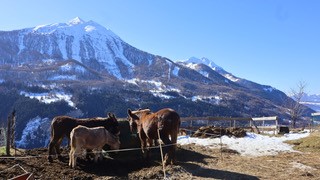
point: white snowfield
(251, 145)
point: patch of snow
(89, 28)
(48, 61)
(69, 67)
(313, 105)
(160, 94)
(63, 77)
(175, 71)
(31, 131)
(211, 99)
(251, 145)
(204, 61)
(132, 81)
(268, 89)
(204, 73)
(50, 97)
(66, 67)
(301, 166)
(192, 66)
(157, 88)
(156, 84)
(169, 71)
(75, 21)
(231, 77)
(21, 43)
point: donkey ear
(129, 112)
(109, 114)
(113, 116)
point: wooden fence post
(8, 136)
(10, 131)
(13, 127)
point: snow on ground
(251, 145)
(50, 97)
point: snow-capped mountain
(86, 42)
(312, 101)
(209, 69)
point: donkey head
(133, 121)
(112, 124)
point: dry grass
(12, 151)
(307, 144)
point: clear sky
(274, 42)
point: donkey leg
(57, 147)
(174, 137)
(149, 144)
(89, 154)
(71, 157)
(143, 139)
(167, 149)
(76, 153)
(96, 155)
(51, 150)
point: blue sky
(274, 42)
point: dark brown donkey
(61, 126)
(147, 124)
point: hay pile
(214, 132)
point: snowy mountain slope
(194, 63)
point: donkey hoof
(50, 159)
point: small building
(315, 118)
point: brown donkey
(62, 126)
(147, 124)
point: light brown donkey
(90, 138)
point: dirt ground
(193, 162)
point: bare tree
(295, 107)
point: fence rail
(256, 123)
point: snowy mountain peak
(84, 41)
(74, 26)
(204, 61)
(76, 21)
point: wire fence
(109, 151)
